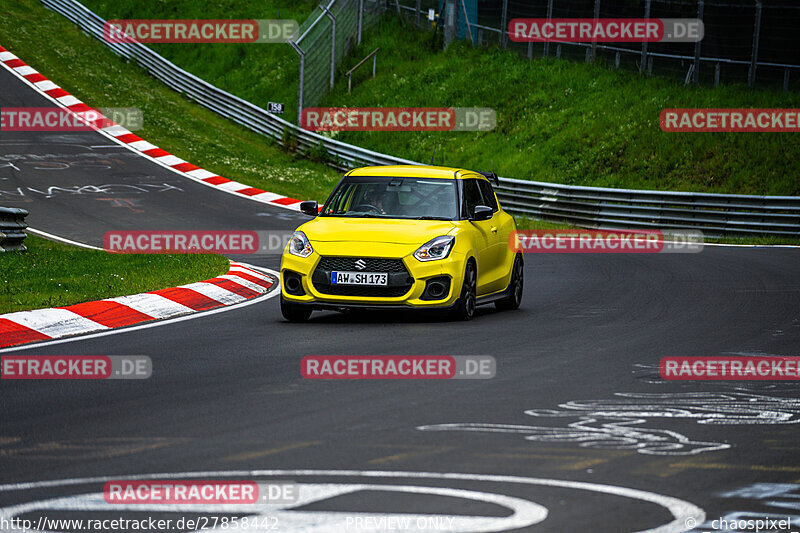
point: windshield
(412, 198)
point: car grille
(399, 282)
(374, 264)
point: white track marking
(45, 85)
(153, 305)
(155, 323)
(244, 283)
(267, 196)
(200, 173)
(170, 160)
(215, 292)
(24, 70)
(233, 186)
(61, 239)
(142, 146)
(54, 322)
(681, 510)
(116, 131)
(68, 100)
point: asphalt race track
(576, 432)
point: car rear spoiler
(491, 176)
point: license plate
(359, 278)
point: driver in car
(374, 198)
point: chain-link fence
(325, 38)
(746, 41)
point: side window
(488, 194)
(472, 196)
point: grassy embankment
(52, 274)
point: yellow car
(408, 236)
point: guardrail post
(301, 81)
(717, 68)
(751, 75)
(549, 16)
(596, 16)
(333, 40)
(504, 25)
(417, 14)
(12, 229)
(360, 19)
(696, 71)
(786, 80)
(643, 61)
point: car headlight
(434, 249)
(299, 245)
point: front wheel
(515, 287)
(293, 312)
(467, 302)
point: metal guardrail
(12, 229)
(585, 206)
(714, 214)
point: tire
(467, 302)
(294, 313)
(515, 287)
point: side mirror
(309, 208)
(482, 212)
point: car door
(484, 254)
(498, 240)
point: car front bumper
(313, 277)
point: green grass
(52, 274)
(568, 122)
(258, 73)
(558, 120)
(90, 71)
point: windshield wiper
(428, 217)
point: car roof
(415, 171)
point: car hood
(396, 231)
